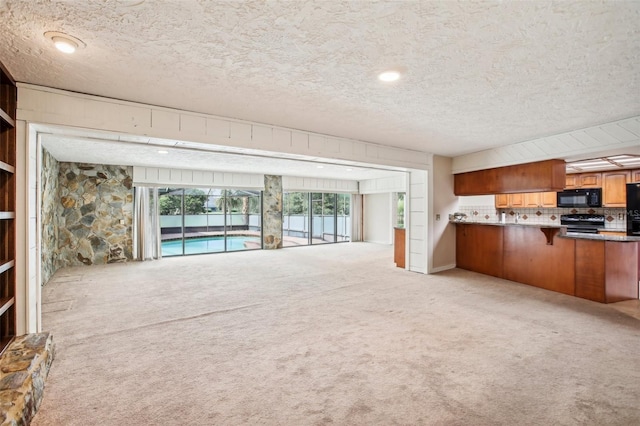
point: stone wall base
(24, 367)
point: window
(209, 220)
(315, 218)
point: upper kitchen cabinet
(635, 175)
(540, 176)
(614, 188)
(503, 201)
(583, 180)
(526, 200)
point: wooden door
(614, 188)
(502, 201)
(516, 200)
(572, 181)
(532, 199)
(549, 199)
(590, 180)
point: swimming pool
(207, 245)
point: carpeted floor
(329, 335)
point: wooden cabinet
(583, 180)
(590, 270)
(526, 200)
(538, 176)
(614, 188)
(516, 200)
(635, 176)
(532, 199)
(399, 246)
(479, 248)
(549, 199)
(7, 207)
(605, 272)
(503, 201)
(529, 259)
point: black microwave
(586, 197)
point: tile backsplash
(615, 218)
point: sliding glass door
(209, 220)
(315, 218)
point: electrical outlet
(437, 217)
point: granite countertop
(530, 225)
(599, 237)
(563, 233)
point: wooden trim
(4, 116)
(7, 167)
(6, 265)
(7, 215)
(6, 303)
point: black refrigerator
(633, 209)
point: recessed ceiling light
(349, 170)
(162, 151)
(320, 167)
(64, 42)
(389, 76)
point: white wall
(304, 184)
(416, 210)
(378, 225)
(443, 233)
(396, 183)
(197, 178)
(476, 200)
(45, 105)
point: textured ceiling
(477, 74)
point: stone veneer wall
(96, 213)
(24, 367)
(49, 214)
(272, 212)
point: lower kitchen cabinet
(603, 272)
(598, 270)
(479, 248)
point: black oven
(588, 197)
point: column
(272, 212)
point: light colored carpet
(330, 334)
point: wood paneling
(531, 177)
(621, 274)
(479, 248)
(399, 247)
(529, 260)
(590, 270)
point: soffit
(478, 74)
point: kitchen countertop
(562, 233)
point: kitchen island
(603, 268)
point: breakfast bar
(602, 268)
